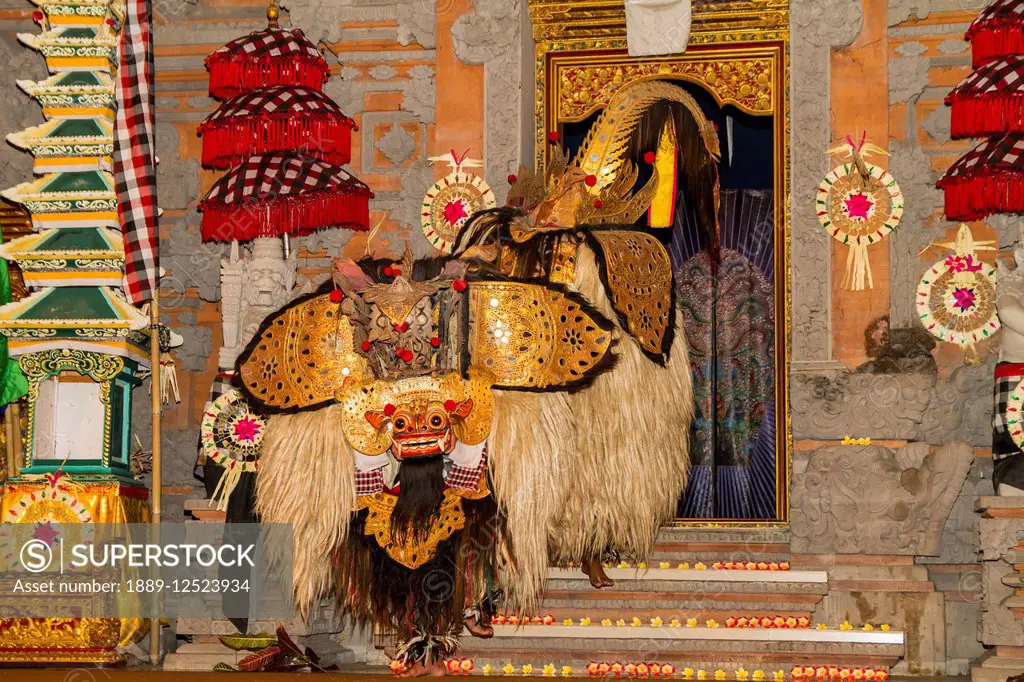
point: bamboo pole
(19, 451)
(9, 433)
(155, 493)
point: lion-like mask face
(420, 429)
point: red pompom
(590, 180)
(389, 271)
(402, 328)
(336, 295)
(398, 351)
(554, 137)
(395, 270)
(598, 203)
(649, 157)
(512, 179)
(459, 285)
(449, 405)
(37, 16)
(435, 342)
(389, 409)
(408, 355)
(366, 346)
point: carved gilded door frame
(738, 53)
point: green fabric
(13, 383)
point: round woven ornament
(956, 302)
(231, 435)
(859, 210)
(449, 204)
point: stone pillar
(1002, 608)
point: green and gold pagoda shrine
(81, 345)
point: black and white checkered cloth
(135, 152)
(1008, 375)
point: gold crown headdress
(598, 185)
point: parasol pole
(157, 406)
(9, 432)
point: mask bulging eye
(436, 421)
(400, 424)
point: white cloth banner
(657, 27)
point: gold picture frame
(739, 53)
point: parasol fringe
(231, 75)
(231, 141)
(996, 38)
(280, 215)
(979, 115)
(986, 192)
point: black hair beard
(419, 498)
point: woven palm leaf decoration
(231, 434)
(858, 204)
(450, 202)
(956, 299)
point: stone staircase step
(656, 578)
(634, 608)
(699, 648)
(677, 591)
(708, 661)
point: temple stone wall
(895, 521)
(422, 77)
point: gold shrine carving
(747, 83)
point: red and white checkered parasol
(997, 32)
(264, 59)
(988, 179)
(990, 101)
(277, 119)
(283, 194)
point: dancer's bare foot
(595, 571)
(478, 628)
(421, 669)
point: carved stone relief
(912, 169)
(190, 262)
(491, 35)
(816, 28)
(19, 110)
(900, 406)
(876, 500)
(177, 176)
(901, 10)
(997, 537)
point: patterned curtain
(728, 309)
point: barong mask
(410, 352)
